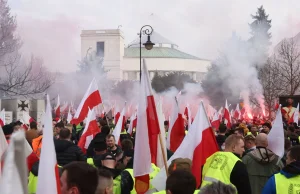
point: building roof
(156, 38)
(157, 52)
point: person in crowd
(288, 179)
(109, 162)
(218, 188)
(111, 145)
(32, 133)
(254, 130)
(79, 178)
(7, 130)
(293, 136)
(181, 182)
(166, 125)
(99, 137)
(17, 125)
(261, 163)
(287, 146)
(239, 131)
(266, 128)
(221, 137)
(100, 148)
(58, 126)
(249, 143)
(66, 150)
(127, 145)
(227, 167)
(105, 183)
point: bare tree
(288, 57)
(18, 78)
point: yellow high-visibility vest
(218, 167)
(287, 185)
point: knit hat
(8, 129)
(100, 146)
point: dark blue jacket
(289, 171)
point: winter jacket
(67, 152)
(289, 171)
(261, 164)
(220, 140)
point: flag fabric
(295, 117)
(176, 131)
(3, 146)
(132, 125)
(91, 99)
(27, 118)
(69, 117)
(227, 116)
(276, 135)
(48, 179)
(147, 132)
(2, 118)
(220, 113)
(119, 126)
(199, 144)
(237, 112)
(64, 108)
(216, 121)
(89, 132)
(14, 177)
(57, 108)
(117, 116)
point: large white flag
(14, 179)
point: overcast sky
(51, 28)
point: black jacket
(67, 152)
(239, 178)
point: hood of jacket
(263, 155)
(62, 145)
(291, 170)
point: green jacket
(261, 165)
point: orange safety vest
(37, 145)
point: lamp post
(148, 45)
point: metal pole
(141, 55)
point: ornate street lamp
(148, 45)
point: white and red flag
(237, 112)
(119, 126)
(216, 121)
(69, 117)
(199, 144)
(15, 171)
(147, 133)
(132, 125)
(48, 179)
(89, 132)
(294, 118)
(57, 108)
(2, 118)
(276, 135)
(90, 100)
(227, 116)
(176, 131)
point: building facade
(123, 63)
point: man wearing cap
(249, 143)
(100, 148)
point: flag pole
(163, 153)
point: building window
(131, 75)
(100, 49)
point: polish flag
(26, 118)
(2, 118)
(294, 118)
(65, 107)
(57, 108)
(216, 121)
(220, 113)
(176, 129)
(48, 179)
(276, 135)
(14, 177)
(69, 117)
(119, 126)
(132, 125)
(199, 144)
(161, 144)
(227, 116)
(3, 146)
(89, 132)
(188, 114)
(237, 112)
(117, 116)
(147, 134)
(90, 100)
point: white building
(123, 62)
